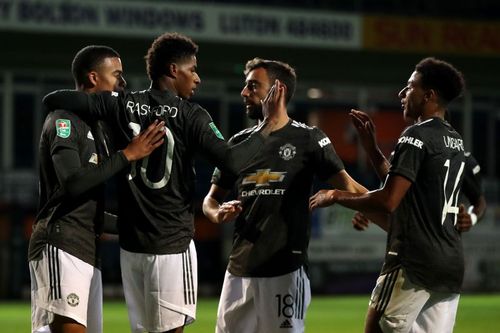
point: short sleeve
(62, 131)
(225, 179)
(472, 184)
(326, 162)
(409, 154)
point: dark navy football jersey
(422, 238)
(155, 212)
(73, 225)
(272, 232)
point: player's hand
(464, 221)
(229, 211)
(360, 222)
(365, 127)
(322, 198)
(143, 144)
(273, 105)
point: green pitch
(343, 314)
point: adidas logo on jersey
(286, 324)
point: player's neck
(282, 122)
(164, 84)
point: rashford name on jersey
(158, 110)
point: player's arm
(384, 200)
(75, 179)
(366, 131)
(343, 181)
(101, 105)
(468, 217)
(361, 221)
(211, 144)
(216, 209)
(472, 189)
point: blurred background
(347, 54)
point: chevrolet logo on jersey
(263, 177)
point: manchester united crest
(73, 299)
(287, 151)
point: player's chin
(254, 113)
(187, 94)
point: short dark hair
(88, 59)
(165, 50)
(275, 70)
(441, 76)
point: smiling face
(257, 85)
(186, 77)
(108, 76)
(413, 98)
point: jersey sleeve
(211, 144)
(103, 105)
(325, 160)
(409, 154)
(62, 131)
(472, 184)
(226, 179)
(75, 179)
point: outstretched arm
(343, 181)
(217, 212)
(384, 200)
(89, 106)
(366, 130)
(76, 180)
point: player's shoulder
(313, 133)
(420, 129)
(62, 116)
(301, 126)
(242, 135)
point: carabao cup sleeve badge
(63, 128)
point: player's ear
(172, 70)
(285, 92)
(430, 95)
(92, 78)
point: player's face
(109, 76)
(257, 85)
(412, 98)
(187, 80)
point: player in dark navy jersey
(423, 268)
(66, 286)
(155, 213)
(266, 288)
(471, 191)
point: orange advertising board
(405, 34)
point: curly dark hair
(88, 59)
(275, 70)
(441, 76)
(165, 50)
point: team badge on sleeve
(63, 127)
(216, 131)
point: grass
(343, 314)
